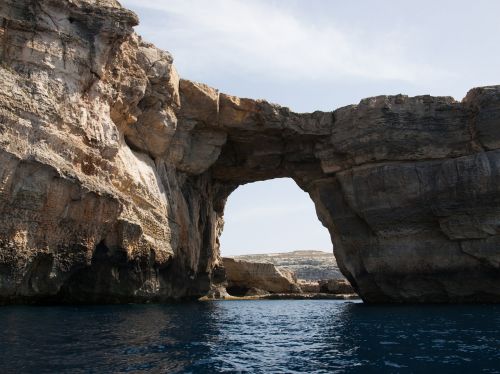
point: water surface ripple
(274, 336)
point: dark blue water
(317, 336)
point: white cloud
(270, 40)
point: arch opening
(271, 216)
(274, 243)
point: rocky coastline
(276, 276)
(246, 280)
(114, 172)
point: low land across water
(293, 275)
(307, 264)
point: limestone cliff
(245, 275)
(95, 202)
(114, 172)
(307, 265)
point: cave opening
(275, 222)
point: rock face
(243, 276)
(114, 172)
(335, 286)
(96, 203)
(255, 275)
(307, 265)
(315, 271)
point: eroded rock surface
(243, 276)
(93, 206)
(114, 171)
(335, 286)
(307, 265)
(246, 276)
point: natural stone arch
(383, 178)
(114, 172)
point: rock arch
(396, 180)
(114, 172)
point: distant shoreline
(294, 252)
(288, 296)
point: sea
(251, 336)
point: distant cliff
(306, 265)
(243, 276)
(255, 275)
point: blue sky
(319, 55)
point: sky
(319, 55)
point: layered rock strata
(114, 172)
(250, 278)
(307, 265)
